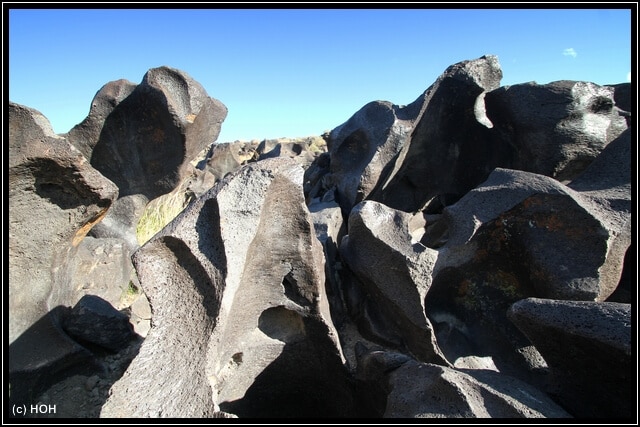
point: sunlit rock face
(396, 274)
(428, 154)
(379, 153)
(450, 150)
(241, 317)
(556, 129)
(521, 235)
(448, 258)
(143, 137)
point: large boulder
(379, 152)
(556, 129)
(450, 149)
(410, 389)
(396, 273)
(56, 197)
(589, 351)
(522, 235)
(241, 319)
(429, 154)
(147, 134)
(85, 135)
(227, 157)
(361, 149)
(101, 267)
(143, 137)
(608, 179)
(94, 321)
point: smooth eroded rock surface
(253, 341)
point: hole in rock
(237, 358)
(282, 324)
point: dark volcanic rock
(429, 154)
(609, 176)
(94, 320)
(487, 226)
(556, 129)
(362, 149)
(143, 137)
(588, 348)
(424, 390)
(381, 152)
(330, 228)
(121, 221)
(85, 135)
(101, 267)
(56, 197)
(450, 149)
(228, 157)
(241, 318)
(396, 275)
(149, 136)
(622, 97)
(522, 235)
(302, 150)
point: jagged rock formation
(379, 238)
(248, 339)
(449, 258)
(432, 152)
(85, 135)
(55, 198)
(556, 129)
(517, 235)
(361, 148)
(450, 150)
(63, 186)
(522, 235)
(227, 157)
(142, 137)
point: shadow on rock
(53, 376)
(319, 390)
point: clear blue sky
(301, 72)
